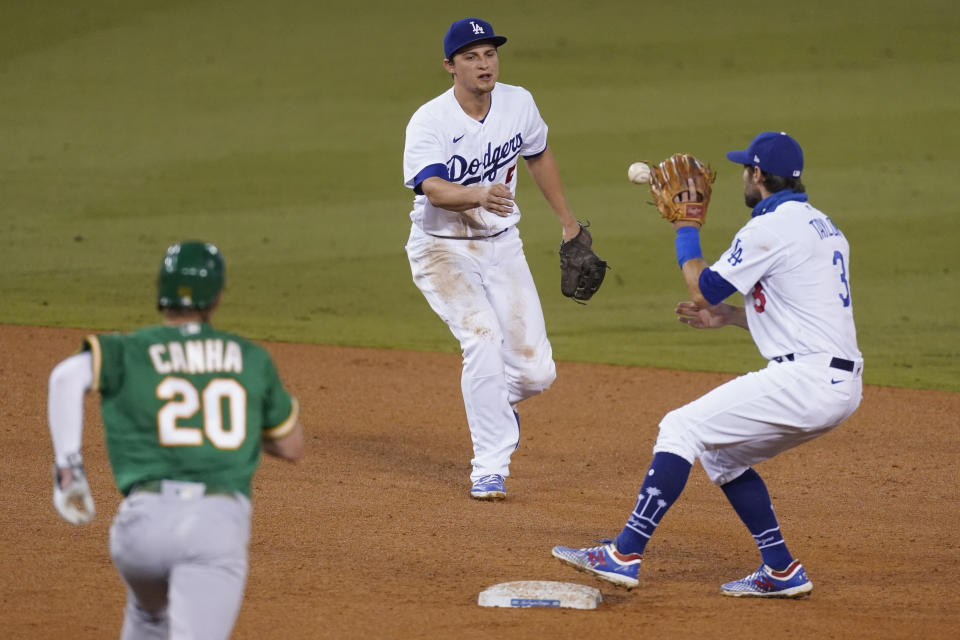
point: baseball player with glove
(792, 265)
(186, 411)
(460, 157)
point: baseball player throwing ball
(461, 159)
(792, 264)
(186, 410)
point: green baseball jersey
(187, 403)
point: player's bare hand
(497, 199)
(700, 317)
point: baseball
(639, 173)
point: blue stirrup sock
(661, 487)
(749, 497)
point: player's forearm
(451, 196)
(691, 270)
(731, 314)
(546, 174)
(290, 447)
(69, 380)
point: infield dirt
(373, 534)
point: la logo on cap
(466, 31)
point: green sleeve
(280, 410)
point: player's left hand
(71, 493)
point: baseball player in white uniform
(460, 158)
(792, 264)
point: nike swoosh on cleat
(457, 139)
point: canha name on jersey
(212, 355)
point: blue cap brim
(741, 156)
(496, 41)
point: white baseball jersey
(443, 141)
(793, 266)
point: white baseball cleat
(765, 582)
(489, 487)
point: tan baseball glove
(668, 183)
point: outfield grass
(276, 131)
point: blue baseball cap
(774, 152)
(467, 31)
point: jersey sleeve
(754, 253)
(68, 382)
(713, 287)
(535, 131)
(107, 353)
(280, 410)
(422, 151)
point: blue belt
(836, 363)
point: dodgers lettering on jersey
(470, 171)
(793, 266)
(474, 153)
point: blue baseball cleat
(765, 582)
(603, 562)
(489, 487)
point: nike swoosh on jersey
(457, 139)
(832, 381)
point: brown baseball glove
(581, 270)
(668, 183)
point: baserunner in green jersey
(186, 411)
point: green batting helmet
(191, 276)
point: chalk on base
(525, 594)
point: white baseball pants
(483, 290)
(184, 561)
(758, 415)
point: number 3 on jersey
(184, 400)
(838, 257)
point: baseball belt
(836, 363)
(156, 486)
(501, 232)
